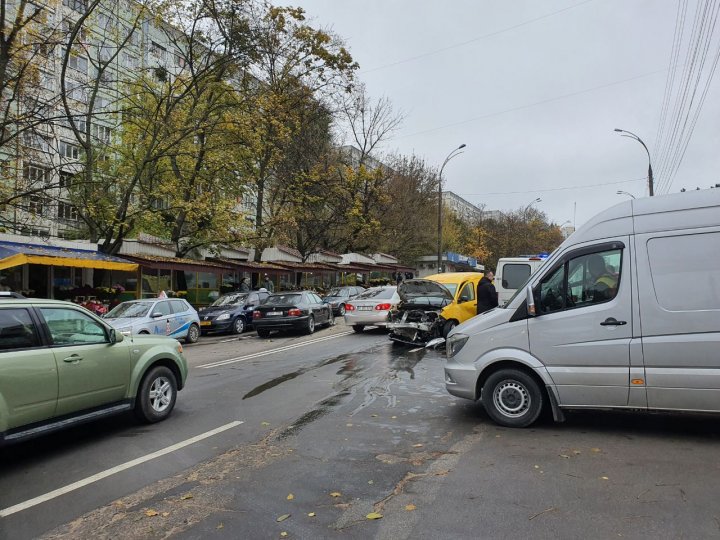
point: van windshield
(520, 290)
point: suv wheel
(193, 334)
(238, 326)
(156, 396)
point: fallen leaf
(564, 456)
(604, 478)
(151, 513)
(596, 450)
(290, 497)
(165, 514)
(393, 417)
(283, 534)
(537, 466)
(374, 515)
(498, 436)
(220, 526)
(348, 425)
(371, 482)
(186, 497)
(336, 494)
(264, 423)
(374, 415)
(417, 445)
(311, 514)
(577, 452)
(282, 518)
(410, 507)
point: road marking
(416, 350)
(272, 351)
(114, 470)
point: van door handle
(72, 358)
(610, 321)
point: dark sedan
(338, 297)
(296, 310)
(231, 312)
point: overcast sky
(535, 90)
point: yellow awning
(22, 258)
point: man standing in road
(487, 297)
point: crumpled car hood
(413, 289)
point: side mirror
(156, 315)
(433, 343)
(464, 299)
(530, 301)
(115, 336)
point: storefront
(63, 273)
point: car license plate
(364, 308)
(205, 323)
(271, 313)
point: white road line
(416, 350)
(114, 470)
(272, 351)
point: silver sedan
(371, 308)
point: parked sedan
(175, 318)
(231, 312)
(296, 310)
(338, 297)
(371, 308)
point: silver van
(625, 314)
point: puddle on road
(324, 407)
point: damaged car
(418, 317)
(430, 308)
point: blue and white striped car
(154, 316)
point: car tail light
(349, 307)
(257, 315)
(383, 307)
(294, 312)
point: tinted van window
(17, 330)
(685, 271)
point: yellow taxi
(463, 287)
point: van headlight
(455, 343)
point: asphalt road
(333, 427)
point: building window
(157, 50)
(78, 63)
(101, 133)
(76, 5)
(67, 211)
(66, 179)
(36, 204)
(69, 151)
(35, 175)
(130, 61)
(34, 140)
(76, 91)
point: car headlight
(223, 317)
(455, 343)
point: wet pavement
(342, 432)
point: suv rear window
(17, 330)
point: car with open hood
(430, 308)
(231, 312)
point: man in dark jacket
(487, 297)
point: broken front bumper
(413, 333)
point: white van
(624, 314)
(512, 273)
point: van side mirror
(530, 301)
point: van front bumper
(461, 380)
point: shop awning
(156, 262)
(17, 254)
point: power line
(473, 40)
(529, 105)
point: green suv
(60, 366)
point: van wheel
(156, 396)
(512, 398)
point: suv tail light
(349, 307)
(257, 315)
(383, 307)
(294, 312)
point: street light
(451, 155)
(527, 207)
(620, 192)
(624, 133)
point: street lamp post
(620, 192)
(651, 184)
(527, 207)
(451, 155)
